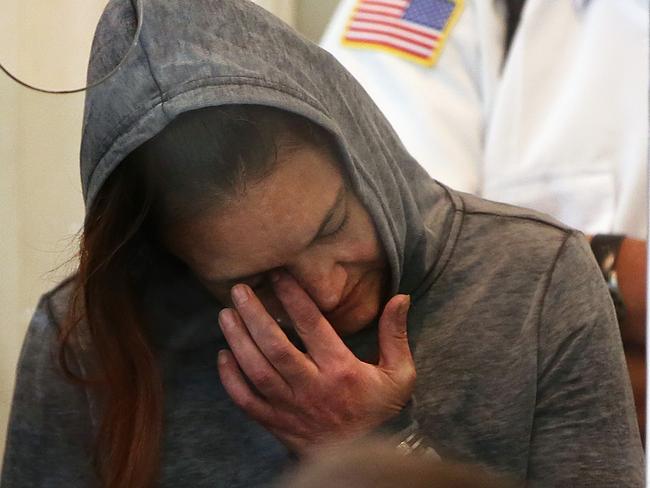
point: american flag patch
(414, 29)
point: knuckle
(245, 401)
(407, 378)
(279, 354)
(307, 399)
(261, 378)
(346, 376)
(339, 362)
(410, 377)
(310, 315)
(401, 334)
(300, 399)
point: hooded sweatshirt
(517, 351)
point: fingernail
(221, 357)
(225, 318)
(240, 294)
(405, 305)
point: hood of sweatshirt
(193, 54)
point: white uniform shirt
(562, 127)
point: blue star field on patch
(432, 13)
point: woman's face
(302, 218)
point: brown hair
(200, 158)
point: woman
(236, 177)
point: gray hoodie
(519, 361)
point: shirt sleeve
(49, 437)
(438, 111)
(585, 432)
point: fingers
(254, 364)
(320, 339)
(266, 337)
(394, 352)
(235, 385)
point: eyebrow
(340, 195)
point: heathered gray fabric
(519, 361)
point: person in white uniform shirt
(541, 104)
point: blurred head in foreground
(377, 464)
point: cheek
(221, 293)
(363, 238)
(375, 295)
(365, 247)
(368, 309)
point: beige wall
(312, 16)
(40, 210)
(10, 330)
(285, 9)
(40, 196)
(308, 16)
(40, 204)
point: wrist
(631, 270)
(396, 423)
(412, 441)
(606, 249)
(404, 432)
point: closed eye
(339, 228)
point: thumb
(394, 352)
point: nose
(324, 280)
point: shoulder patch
(413, 29)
